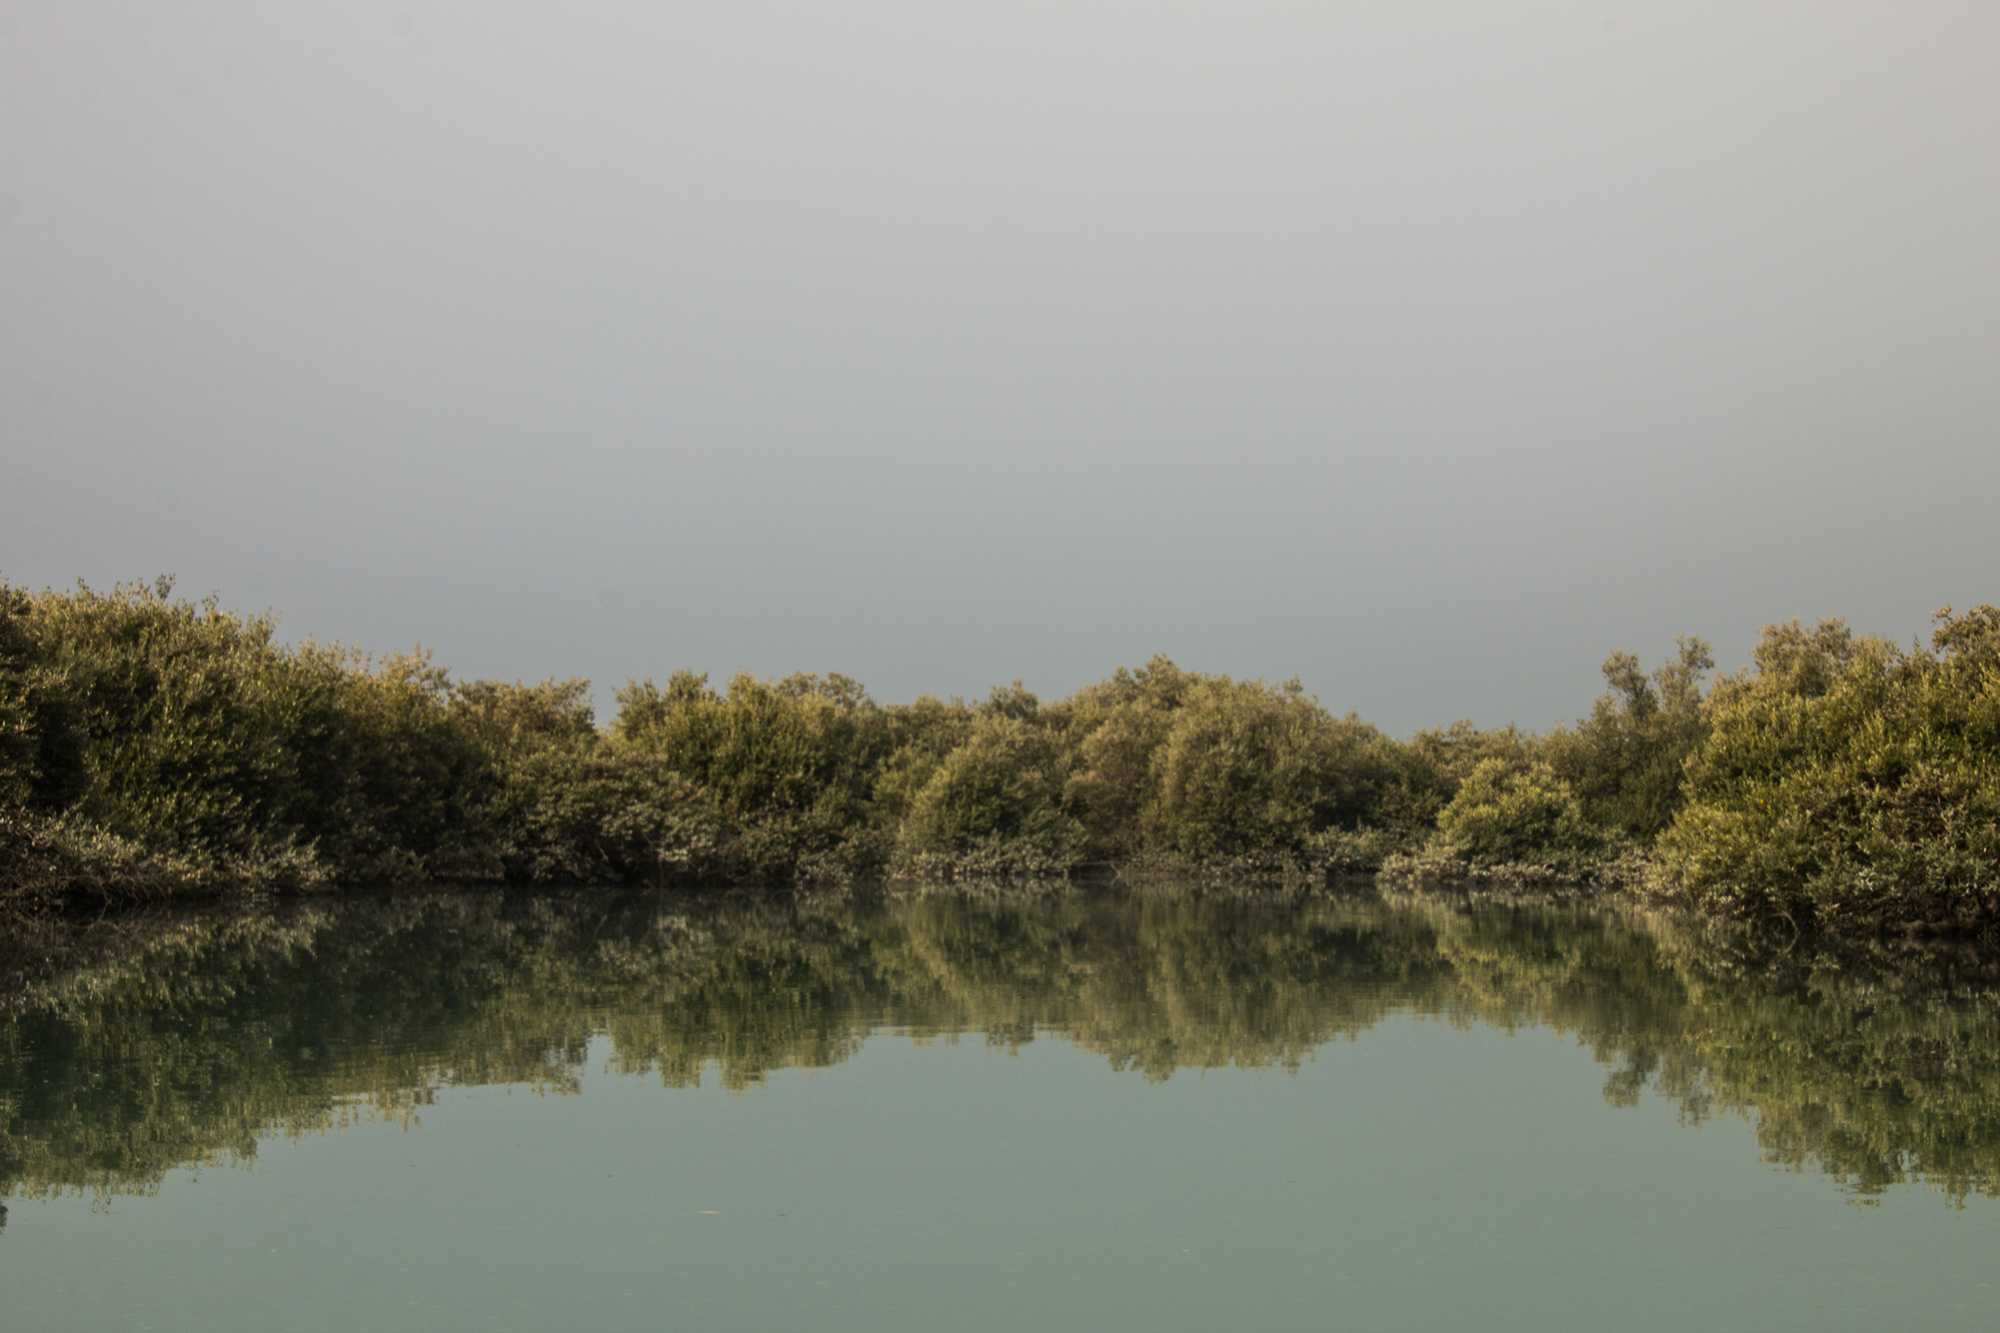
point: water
(1154, 1110)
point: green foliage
(149, 732)
(574, 808)
(1507, 813)
(1849, 783)
(396, 779)
(921, 735)
(41, 755)
(1626, 759)
(995, 801)
(1564, 807)
(1121, 724)
(1199, 767)
(528, 717)
(795, 747)
(789, 765)
(1247, 767)
(153, 745)
(1429, 769)
(46, 859)
(584, 814)
(179, 711)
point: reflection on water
(155, 1041)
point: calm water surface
(1154, 1110)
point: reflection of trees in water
(156, 1041)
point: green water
(1101, 1110)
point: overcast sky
(1427, 352)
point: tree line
(152, 746)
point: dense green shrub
(1511, 814)
(401, 780)
(597, 814)
(795, 746)
(180, 714)
(789, 764)
(1247, 767)
(1175, 763)
(994, 803)
(1848, 782)
(149, 744)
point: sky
(1425, 352)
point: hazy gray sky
(1426, 351)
